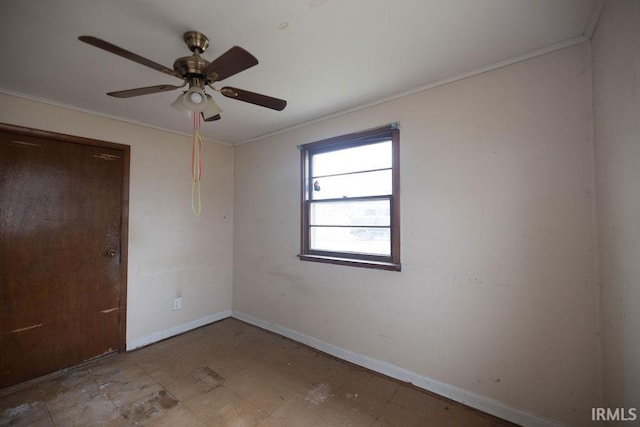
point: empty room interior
(353, 213)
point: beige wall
(616, 67)
(497, 295)
(171, 252)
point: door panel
(60, 214)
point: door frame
(124, 221)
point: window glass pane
(366, 157)
(374, 241)
(376, 183)
(357, 212)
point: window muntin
(350, 200)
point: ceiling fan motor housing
(191, 66)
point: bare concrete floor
(228, 374)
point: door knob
(112, 253)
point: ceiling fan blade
(212, 118)
(142, 91)
(99, 43)
(229, 63)
(254, 98)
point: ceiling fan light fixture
(212, 108)
(195, 100)
(195, 97)
(178, 104)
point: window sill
(380, 265)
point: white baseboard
(177, 330)
(482, 403)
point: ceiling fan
(196, 72)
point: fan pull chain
(196, 164)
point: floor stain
(207, 378)
(166, 401)
(146, 409)
(318, 394)
(17, 411)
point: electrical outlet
(177, 303)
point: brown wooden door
(61, 209)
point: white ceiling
(334, 55)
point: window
(351, 199)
